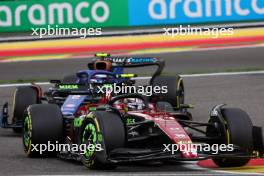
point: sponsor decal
(23, 15)
(130, 121)
(141, 60)
(149, 12)
(66, 86)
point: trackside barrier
(23, 15)
(160, 12)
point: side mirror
(186, 106)
(55, 81)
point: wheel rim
(89, 138)
(180, 89)
(27, 133)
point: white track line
(22, 84)
(193, 166)
(214, 74)
(164, 174)
(217, 48)
(224, 74)
(140, 78)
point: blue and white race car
(103, 69)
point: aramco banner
(27, 14)
(160, 12)
(23, 15)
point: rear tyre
(43, 123)
(106, 131)
(175, 87)
(70, 79)
(23, 97)
(238, 132)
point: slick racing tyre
(239, 133)
(105, 131)
(43, 124)
(70, 79)
(175, 87)
(23, 97)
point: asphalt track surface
(180, 62)
(243, 91)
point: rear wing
(126, 62)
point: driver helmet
(134, 104)
(103, 65)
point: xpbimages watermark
(191, 147)
(57, 147)
(202, 31)
(125, 89)
(59, 31)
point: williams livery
(103, 69)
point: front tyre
(101, 133)
(239, 133)
(42, 124)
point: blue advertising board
(155, 12)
